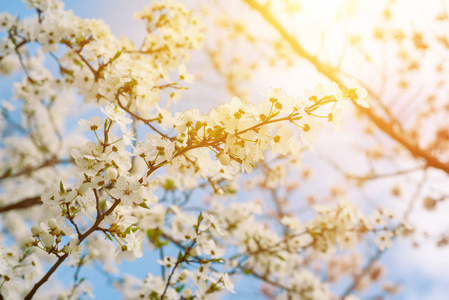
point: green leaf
(179, 288)
(117, 54)
(108, 236)
(275, 114)
(280, 257)
(152, 234)
(217, 132)
(131, 228)
(79, 63)
(198, 125)
(154, 237)
(161, 244)
(180, 256)
(144, 205)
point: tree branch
(25, 203)
(29, 170)
(62, 258)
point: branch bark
(23, 204)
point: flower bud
(35, 230)
(224, 159)
(82, 189)
(29, 242)
(52, 223)
(48, 240)
(57, 231)
(111, 173)
(183, 275)
(187, 293)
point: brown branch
(46, 276)
(147, 122)
(31, 201)
(62, 258)
(30, 169)
(22, 204)
(28, 202)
